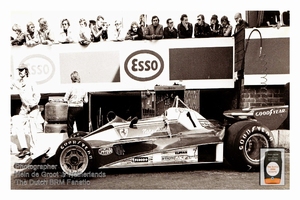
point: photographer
(100, 30)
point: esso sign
(144, 65)
(40, 67)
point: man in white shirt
(25, 122)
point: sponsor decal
(181, 152)
(144, 65)
(178, 158)
(140, 159)
(270, 112)
(40, 67)
(105, 151)
(151, 131)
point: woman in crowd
(20, 36)
(226, 28)
(135, 32)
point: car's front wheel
(243, 143)
(75, 157)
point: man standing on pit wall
(27, 118)
(240, 23)
(75, 97)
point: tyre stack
(56, 112)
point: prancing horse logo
(123, 132)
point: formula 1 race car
(179, 136)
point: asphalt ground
(188, 177)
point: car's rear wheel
(75, 157)
(243, 143)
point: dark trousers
(74, 114)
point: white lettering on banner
(144, 65)
(270, 112)
(40, 67)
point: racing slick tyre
(78, 134)
(243, 142)
(75, 157)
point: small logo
(105, 151)
(140, 159)
(144, 65)
(40, 67)
(181, 152)
(123, 132)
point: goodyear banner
(130, 65)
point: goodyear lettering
(252, 130)
(270, 112)
(75, 142)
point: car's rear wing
(272, 116)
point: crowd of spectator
(97, 30)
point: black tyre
(75, 157)
(243, 142)
(78, 134)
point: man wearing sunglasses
(26, 120)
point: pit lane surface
(208, 176)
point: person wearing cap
(75, 98)
(45, 34)
(202, 29)
(215, 26)
(29, 110)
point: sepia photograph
(167, 97)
